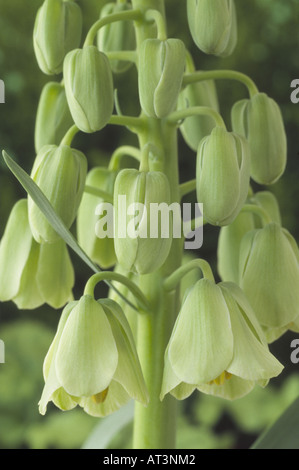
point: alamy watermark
(2, 92)
(137, 220)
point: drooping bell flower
(57, 30)
(222, 175)
(226, 353)
(32, 274)
(60, 173)
(259, 119)
(92, 361)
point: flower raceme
(92, 361)
(226, 353)
(60, 172)
(213, 25)
(57, 31)
(33, 274)
(222, 175)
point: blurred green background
(268, 51)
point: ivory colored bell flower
(32, 274)
(259, 119)
(142, 244)
(213, 25)
(118, 36)
(89, 88)
(195, 128)
(100, 250)
(222, 175)
(269, 274)
(92, 361)
(53, 118)
(226, 353)
(60, 173)
(57, 30)
(161, 69)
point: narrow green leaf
(45, 206)
(283, 434)
(104, 432)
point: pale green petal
(204, 321)
(14, 250)
(252, 360)
(87, 356)
(183, 391)
(63, 400)
(128, 372)
(231, 389)
(55, 274)
(116, 398)
(170, 380)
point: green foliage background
(268, 51)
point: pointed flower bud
(142, 244)
(226, 353)
(269, 274)
(229, 242)
(32, 274)
(57, 31)
(100, 250)
(53, 118)
(223, 172)
(60, 172)
(95, 339)
(260, 121)
(118, 36)
(195, 128)
(89, 88)
(213, 25)
(161, 69)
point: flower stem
(174, 279)
(177, 116)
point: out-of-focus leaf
(284, 433)
(108, 428)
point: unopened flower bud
(53, 118)
(269, 274)
(161, 69)
(118, 36)
(142, 243)
(260, 121)
(223, 169)
(99, 248)
(213, 25)
(195, 128)
(89, 88)
(60, 173)
(57, 31)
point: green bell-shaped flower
(32, 274)
(100, 250)
(260, 121)
(57, 30)
(213, 25)
(195, 128)
(60, 173)
(118, 36)
(161, 69)
(222, 174)
(229, 242)
(92, 361)
(53, 118)
(269, 274)
(89, 88)
(226, 353)
(141, 242)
